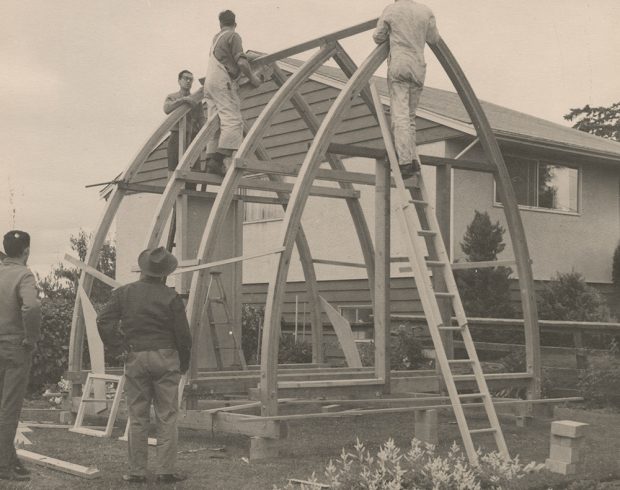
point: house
(567, 184)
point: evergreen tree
(601, 121)
(485, 292)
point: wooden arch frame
(292, 232)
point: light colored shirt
(409, 26)
(20, 308)
(228, 50)
(196, 117)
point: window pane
(523, 178)
(557, 187)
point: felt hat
(157, 262)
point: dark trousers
(14, 372)
(173, 150)
(152, 377)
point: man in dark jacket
(155, 334)
(20, 321)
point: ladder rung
(97, 400)
(443, 327)
(444, 294)
(427, 233)
(482, 431)
(418, 202)
(460, 361)
(435, 263)
(472, 395)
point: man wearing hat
(227, 62)
(20, 322)
(147, 320)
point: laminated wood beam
(232, 260)
(340, 263)
(93, 272)
(315, 43)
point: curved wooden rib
(511, 209)
(292, 221)
(76, 341)
(231, 181)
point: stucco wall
(558, 242)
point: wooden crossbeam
(339, 263)
(472, 265)
(92, 271)
(232, 260)
(315, 43)
(357, 151)
(266, 185)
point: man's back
(409, 26)
(19, 305)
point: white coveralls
(409, 26)
(222, 95)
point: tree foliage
(615, 270)
(62, 281)
(568, 297)
(601, 121)
(485, 292)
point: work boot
(9, 474)
(20, 469)
(171, 478)
(408, 170)
(215, 167)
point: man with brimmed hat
(20, 321)
(147, 320)
(227, 62)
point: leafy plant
(294, 352)
(420, 468)
(485, 292)
(601, 121)
(600, 383)
(569, 297)
(405, 351)
(615, 268)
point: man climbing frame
(409, 26)
(227, 62)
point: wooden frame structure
(253, 157)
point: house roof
(507, 124)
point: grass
(308, 449)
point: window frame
(539, 209)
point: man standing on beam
(227, 62)
(409, 26)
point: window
(357, 313)
(543, 184)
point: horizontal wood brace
(472, 395)
(460, 361)
(96, 400)
(486, 263)
(227, 261)
(266, 185)
(374, 411)
(339, 263)
(492, 376)
(330, 383)
(357, 151)
(478, 166)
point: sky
(83, 82)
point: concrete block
(567, 441)
(568, 428)
(562, 468)
(566, 454)
(427, 426)
(262, 448)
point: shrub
(421, 468)
(568, 297)
(405, 351)
(485, 292)
(251, 321)
(51, 356)
(294, 352)
(600, 383)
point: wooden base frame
(269, 383)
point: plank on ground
(57, 464)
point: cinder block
(562, 467)
(566, 454)
(577, 442)
(427, 426)
(262, 448)
(568, 428)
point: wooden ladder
(414, 208)
(88, 388)
(215, 282)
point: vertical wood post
(382, 273)
(443, 209)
